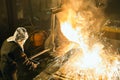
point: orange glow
(91, 60)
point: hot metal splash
(91, 60)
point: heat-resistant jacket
(12, 57)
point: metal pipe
(46, 50)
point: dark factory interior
(56, 48)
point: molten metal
(91, 61)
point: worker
(13, 56)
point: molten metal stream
(91, 61)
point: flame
(91, 61)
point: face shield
(19, 35)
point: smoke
(86, 13)
(91, 10)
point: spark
(91, 62)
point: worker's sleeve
(22, 60)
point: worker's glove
(34, 65)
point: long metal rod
(46, 50)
